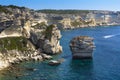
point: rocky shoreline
(15, 57)
(27, 34)
(15, 49)
(10, 56)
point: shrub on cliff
(3, 9)
(11, 43)
(48, 32)
(41, 25)
(14, 6)
(75, 23)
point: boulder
(82, 47)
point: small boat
(54, 62)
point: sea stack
(82, 47)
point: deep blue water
(104, 66)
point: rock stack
(82, 47)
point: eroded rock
(48, 39)
(82, 47)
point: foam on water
(110, 36)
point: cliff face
(52, 44)
(14, 16)
(16, 49)
(18, 16)
(64, 19)
(16, 45)
(25, 43)
(82, 47)
(78, 20)
(48, 39)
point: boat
(54, 62)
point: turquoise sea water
(104, 66)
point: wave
(109, 36)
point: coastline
(89, 27)
(19, 57)
(34, 55)
(37, 55)
(16, 57)
(77, 66)
(18, 48)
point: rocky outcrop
(14, 57)
(11, 32)
(26, 29)
(47, 39)
(66, 23)
(11, 57)
(50, 43)
(82, 47)
(14, 50)
(16, 45)
(20, 40)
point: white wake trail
(110, 36)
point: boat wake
(110, 36)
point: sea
(105, 64)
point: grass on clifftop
(11, 43)
(52, 11)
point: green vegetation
(41, 25)
(75, 23)
(64, 11)
(48, 32)
(13, 7)
(3, 9)
(11, 43)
